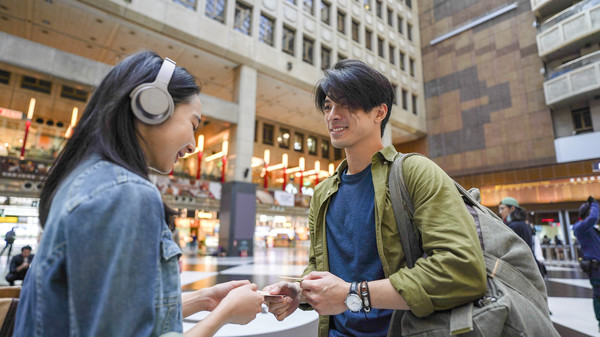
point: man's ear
(381, 111)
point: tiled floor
(569, 292)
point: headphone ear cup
(151, 104)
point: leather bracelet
(364, 292)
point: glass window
(409, 31)
(395, 93)
(380, 46)
(268, 130)
(288, 40)
(367, 4)
(4, 76)
(355, 28)
(402, 63)
(400, 24)
(325, 57)
(308, 6)
(379, 9)
(404, 99)
(338, 154)
(341, 22)
(325, 12)
(412, 67)
(307, 50)
(409, 3)
(392, 54)
(342, 57)
(255, 130)
(368, 39)
(582, 121)
(190, 4)
(299, 142)
(325, 148)
(73, 93)
(390, 17)
(414, 105)
(311, 145)
(266, 30)
(284, 138)
(293, 2)
(36, 84)
(215, 9)
(243, 18)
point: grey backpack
(515, 302)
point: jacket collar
(388, 154)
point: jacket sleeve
(113, 242)
(13, 265)
(454, 271)
(589, 222)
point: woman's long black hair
(107, 124)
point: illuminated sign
(596, 166)
(9, 219)
(8, 113)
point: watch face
(353, 302)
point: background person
(589, 239)
(19, 265)
(107, 263)
(514, 216)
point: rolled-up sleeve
(454, 271)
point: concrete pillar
(387, 135)
(238, 196)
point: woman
(107, 265)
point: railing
(567, 13)
(569, 26)
(575, 64)
(579, 77)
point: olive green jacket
(454, 271)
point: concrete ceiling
(89, 32)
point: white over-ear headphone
(151, 102)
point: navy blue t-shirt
(352, 251)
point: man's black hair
(26, 247)
(357, 85)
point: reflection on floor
(569, 290)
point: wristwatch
(353, 300)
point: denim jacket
(106, 265)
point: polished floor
(569, 292)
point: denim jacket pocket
(169, 296)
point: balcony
(578, 147)
(573, 81)
(545, 8)
(569, 30)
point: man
(9, 237)
(514, 216)
(357, 271)
(589, 240)
(19, 265)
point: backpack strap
(410, 237)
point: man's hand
(325, 292)
(283, 307)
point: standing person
(107, 264)
(9, 237)
(19, 265)
(514, 216)
(589, 240)
(354, 237)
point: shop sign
(8, 113)
(596, 166)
